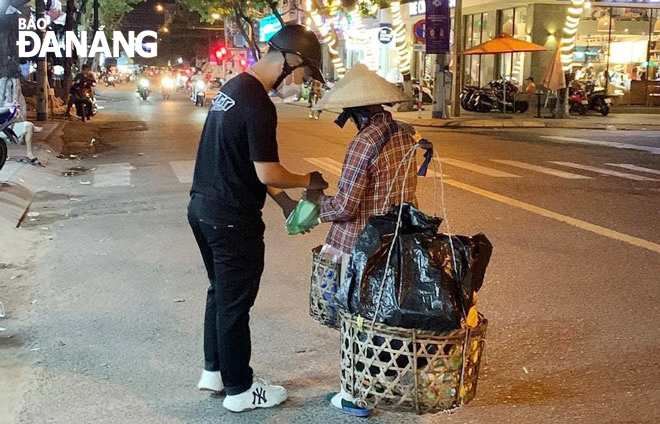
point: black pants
(233, 253)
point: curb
(509, 123)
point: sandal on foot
(338, 403)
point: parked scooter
(8, 115)
(599, 100)
(578, 101)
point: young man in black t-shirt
(237, 164)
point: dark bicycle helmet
(298, 40)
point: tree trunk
(68, 61)
(42, 79)
(240, 17)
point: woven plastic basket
(409, 370)
(326, 276)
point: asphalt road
(572, 291)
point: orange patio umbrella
(504, 44)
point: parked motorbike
(198, 93)
(166, 87)
(8, 115)
(599, 100)
(143, 88)
(578, 101)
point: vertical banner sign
(437, 26)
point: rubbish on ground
(3, 329)
(525, 369)
(178, 300)
(92, 142)
(35, 349)
(75, 199)
(33, 214)
(2, 310)
(95, 156)
(85, 182)
(140, 154)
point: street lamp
(215, 16)
(166, 30)
(159, 8)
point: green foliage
(111, 12)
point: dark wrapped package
(426, 287)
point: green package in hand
(303, 218)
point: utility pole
(42, 78)
(458, 58)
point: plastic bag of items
(426, 287)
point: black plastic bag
(425, 287)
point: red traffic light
(220, 52)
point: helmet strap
(286, 71)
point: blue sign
(437, 26)
(268, 26)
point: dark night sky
(144, 17)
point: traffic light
(220, 53)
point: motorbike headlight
(167, 83)
(200, 85)
(144, 83)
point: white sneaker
(211, 381)
(260, 395)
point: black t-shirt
(240, 129)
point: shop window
(614, 51)
(513, 22)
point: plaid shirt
(368, 172)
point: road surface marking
(113, 175)
(615, 144)
(635, 168)
(597, 229)
(330, 164)
(184, 170)
(478, 168)
(604, 171)
(543, 170)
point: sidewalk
(614, 121)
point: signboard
(437, 26)
(268, 26)
(385, 35)
(419, 48)
(419, 31)
(417, 7)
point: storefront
(480, 27)
(617, 49)
(617, 44)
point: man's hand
(316, 181)
(283, 200)
(313, 196)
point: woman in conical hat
(368, 172)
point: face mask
(287, 90)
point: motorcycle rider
(84, 78)
(197, 80)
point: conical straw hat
(361, 87)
